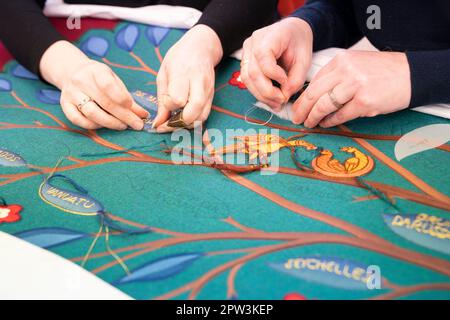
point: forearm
(233, 22)
(333, 23)
(26, 32)
(430, 77)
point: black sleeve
(430, 77)
(26, 32)
(333, 23)
(234, 21)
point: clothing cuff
(430, 77)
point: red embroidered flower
(236, 80)
(294, 296)
(10, 213)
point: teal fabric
(217, 234)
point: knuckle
(321, 107)
(125, 100)
(252, 75)
(363, 100)
(338, 118)
(78, 78)
(88, 112)
(310, 94)
(177, 101)
(107, 84)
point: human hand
(361, 83)
(92, 95)
(186, 77)
(280, 52)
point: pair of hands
(185, 80)
(360, 83)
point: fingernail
(123, 127)
(137, 125)
(163, 128)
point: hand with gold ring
(355, 84)
(92, 95)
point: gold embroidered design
(358, 165)
(261, 145)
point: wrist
(60, 61)
(209, 42)
(300, 28)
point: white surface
(29, 272)
(159, 15)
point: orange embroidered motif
(358, 165)
(261, 144)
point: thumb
(162, 116)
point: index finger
(269, 67)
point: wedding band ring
(83, 103)
(334, 100)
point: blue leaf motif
(50, 237)
(5, 85)
(330, 271)
(156, 34)
(20, 72)
(161, 268)
(49, 96)
(11, 159)
(425, 230)
(127, 37)
(96, 46)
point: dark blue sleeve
(430, 77)
(333, 23)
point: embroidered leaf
(156, 34)
(76, 202)
(50, 237)
(333, 272)
(425, 230)
(49, 96)
(11, 159)
(422, 139)
(20, 72)
(5, 85)
(96, 46)
(161, 268)
(127, 37)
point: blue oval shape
(49, 96)
(156, 34)
(20, 72)
(5, 85)
(73, 202)
(331, 271)
(161, 268)
(11, 159)
(96, 46)
(50, 237)
(425, 230)
(150, 103)
(127, 37)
